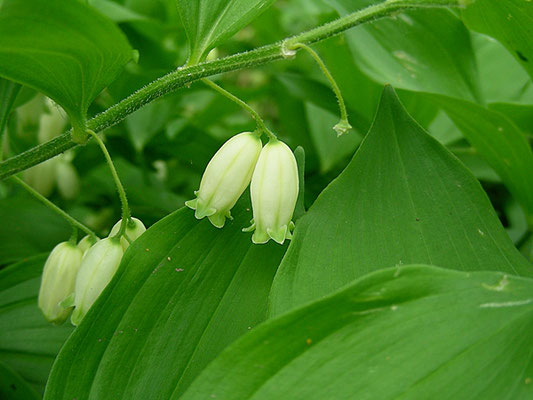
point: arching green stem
(343, 126)
(260, 123)
(118, 184)
(184, 76)
(71, 220)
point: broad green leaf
(499, 141)
(28, 228)
(28, 343)
(403, 199)
(509, 21)
(183, 292)
(64, 49)
(208, 23)
(421, 50)
(413, 332)
(13, 387)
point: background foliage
(442, 176)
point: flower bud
(274, 191)
(68, 181)
(226, 177)
(42, 177)
(51, 124)
(98, 267)
(134, 229)
(58, 281)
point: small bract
(274, 191)
(134, 229)
(226, 177)
(58, 281)
(98, 267)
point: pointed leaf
(183, 292)
(64, 49)
(413, 333)
(403, 199)
(208, 23)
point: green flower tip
(262, 236)
(217, 218)
(342, 127)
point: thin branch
(183, 76)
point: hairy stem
(184, 76)
(71, 220)
(260, 123)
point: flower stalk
(184, 76)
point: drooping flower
(226, 177)
(98, 267)
(274, 191)
(134, 229)
(58, 281)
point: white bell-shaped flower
(226, 177)
(274, 191)
(98, 267)
(134, 229)
(58, 280)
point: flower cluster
(75, 275)
(273, 173)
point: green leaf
(208, 23)
(403, 199)
(64, 49)
(28, 228)
(13, 387)
(183, 292)
(28, 343)
(414, 332)
(509, 21)
(8, 94)
(499, 141)
(422, 50)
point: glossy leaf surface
(183, 292)
(426, 332)
(403, 199)
(64, 49)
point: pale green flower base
(217, 218)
